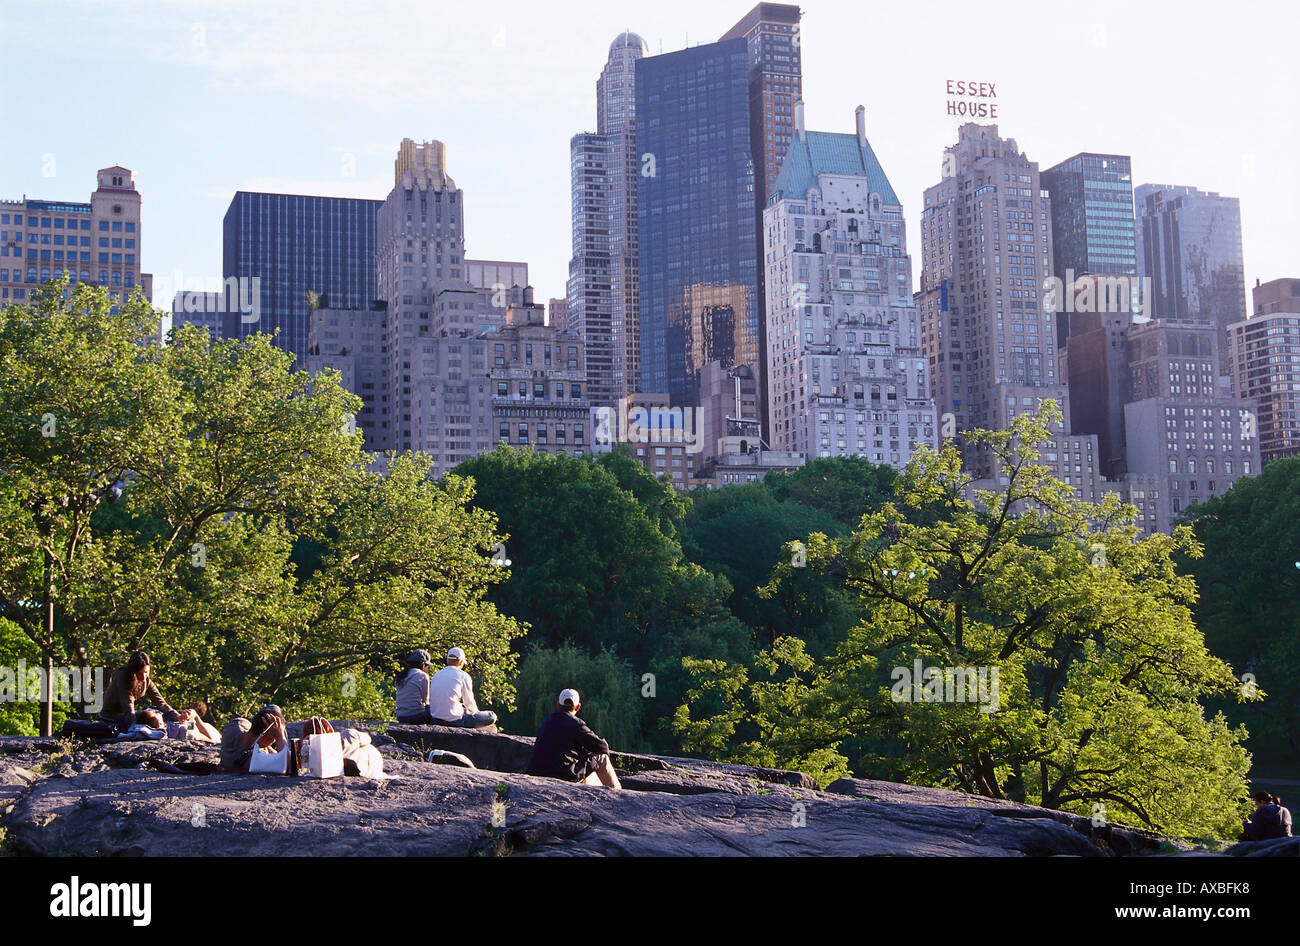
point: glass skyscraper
(1190, 248)
(1092, 219)
(697, 219)
(297, 244)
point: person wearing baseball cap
(412, 684)
(451, 696)
(567, 749)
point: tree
(741, 532)
(1100, 668)
(845, 488)
(1250, 602)
(589, 564)
(154, 497)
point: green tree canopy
(1101, 669)
(155, 496)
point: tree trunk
(47, 698)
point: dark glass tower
(1092, 220)
(696, 216)
(297, 244)
(1190, 249)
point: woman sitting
(412, 702)
(126, 686)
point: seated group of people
(134, 683)
(566, 748)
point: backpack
(89, 729)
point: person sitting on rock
(1270, 819)
(451, 696)
(412, 702)
(566, 748)
(126, 686)
(266, 729)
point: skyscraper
(295, 244)
(97, 242)
(771, 32)
(845, 373)
(989, 338)
(1264, 360)
(1092, 219)
(603, 285)
(696, 215)
(1190, 249)
(421, 239)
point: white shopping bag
(324, 756)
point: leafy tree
(1249, 609)
(154, 498)
(1101, 669)
(590, 563)
(741, 533)
(844, 488)
(772, 722)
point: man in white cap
(567, 749)
(451, 696)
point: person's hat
(417, 658)
(570, 698)
(455, 654)
(271, 710)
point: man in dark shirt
(567, 749)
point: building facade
(604, 287)
(291, 245)
(1190, 251)
(99, 242)
(1264, 362)
(845, 372)
(1093, 231)
(697, 216)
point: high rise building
(1190, 250)
(97, 242)
(1264, 361)
(771, 33)
(421, 247)
(697, 216)
(989, 339)
(1092, 220)
(1182, 429)
(603, 288)
(845, 371)
(292, 245)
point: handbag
(324, 756)
(269, 763)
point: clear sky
(202, 99)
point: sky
(202, 99)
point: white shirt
(451, 694)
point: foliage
(169, 488)
(1249, 578)
(1101, 668)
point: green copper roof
(828, 152)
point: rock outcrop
(167, 798)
